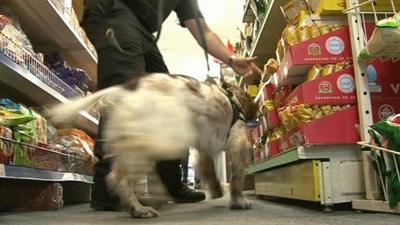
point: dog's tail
(66, 112)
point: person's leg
(114, 67)
(170, 171)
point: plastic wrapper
(6, 148)
(390, 129)
(292, 10)
(314, 72)
(30, 196)
(324, 29)
(314, 31)
(386, 134)
(303, 33)
(391, 22)
(268, 106)
(12, 114)
(14, 29)
(290, 35)
(271, 66)
(294, 115)
(79, 146)
(276, 133)
(280, 50)
(328, 69)
(334, 27)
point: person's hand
(244, 65)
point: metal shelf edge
(278, 160)
(85, 47)
(262, 29)
(24, 173)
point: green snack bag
(391, 22)
(390, 129)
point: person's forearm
(215, 46)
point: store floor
(207, 213)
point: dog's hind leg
(206, 169)
(123, 178)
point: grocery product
(314, 72)
(385, 39)
(327, 69)
(292, 10)
(6, 148)
(290, 35)
(294, 115)
(30, 196)
(386, 134)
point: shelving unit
(373, 201)
(328, 174)
(268, 35)
(50, 31)
(24, 173)
(26, 86)
(325, 174)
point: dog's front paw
(144, 212)
(240, 203)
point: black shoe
(187, 195)
(105, 206)
(102, 199)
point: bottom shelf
(24, 173)
(326, 174)
(374, 205)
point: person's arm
(241, 65)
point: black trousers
(136, 56)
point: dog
(159, 117)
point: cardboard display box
(384, 78)
(338, 128)
(335, 89)
(329, 48)
(384, 107)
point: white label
(335, 45)
(345, 83)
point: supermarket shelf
(27, 86)
(249, 15)
(271, 29)
(374, 205)
(275, 161)
(329, 174)
(24, 173)
(49, 31)
(307, 152)
(264, 46)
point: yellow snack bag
(324, 29)
(314, 31)
(290, 35)
(303, 33)
(314, 72)
(328, 69)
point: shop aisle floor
(276, 212)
